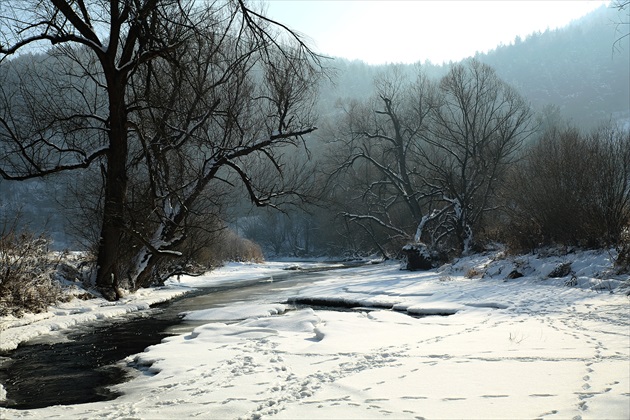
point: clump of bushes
(623, 251)
(570, 189)
(228, 246)
(27, 271)
(204, 250)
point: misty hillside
(35, 204)
(578, 68)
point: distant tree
(377, 152)
(149, 82)
(423, 161)
(623, 25)
(474, 135)
(571, 188)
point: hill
(578, 68)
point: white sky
(415, 30)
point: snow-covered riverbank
(529, 347)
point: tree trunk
(108, 270)
(145, 264)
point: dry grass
(27, 271)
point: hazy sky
(415, 30)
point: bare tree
(113, 55)
(231, 128)
(475, 132)
(425, 160)
(378, 149)
(571, 189)
(623, 25)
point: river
(79, 367)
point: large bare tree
(165, 85)
(232, 127)
(423, 160)
(377, 151)
(475, 132)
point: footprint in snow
(585, 396)
(548, 413)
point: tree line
(463, 160)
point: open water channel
(80, 367)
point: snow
(531, 347)
(245, 272)
(236, 312)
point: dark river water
(90, 358)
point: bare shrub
(570, 189)
(474, 272)
(230, 247)
(26, 273)
(622, 262)
(211, 248)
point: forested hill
(579, 69)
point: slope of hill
(579, 68)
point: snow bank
(14, 331)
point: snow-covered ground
(530, 347)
